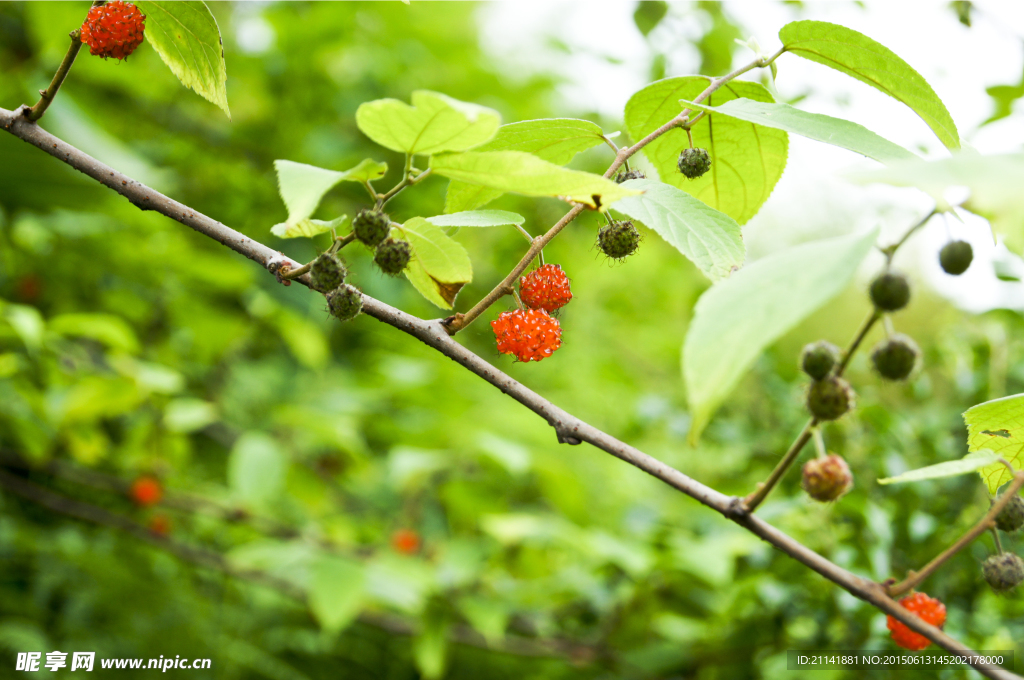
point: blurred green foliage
(129, 346)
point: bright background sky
(812, 199)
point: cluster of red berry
(113, 29)
(532, 334)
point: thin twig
(890, 251)
(914, 578)
(46, 96)
(570, 430)
(873, 318)
(755, 499)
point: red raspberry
(529, 334)
(546, 288)
(927, 608)
(146, 491)
(405, 541)
(113, 29)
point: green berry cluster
(618, 240)
(694, 163)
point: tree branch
(570, 430)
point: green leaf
(821, 128)
(524, 173)
(434, 123)
(478, 218)
(997, 426)
(187, 38)
(336, 591)
(440, 266)
(303, 186)
(994, 183)
(189, 415)
(747, 160)
(737, 318)
(859, 56)
(556, 140)
(951, 468)
(649, 14)
(256, 468)
(710, 239)
(487, 616)
(430, 648)
(112, 331)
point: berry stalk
(987, 522)
(46, 96)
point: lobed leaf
(969, 463)
(524, 173)
(857, 55)
(433, 124)
(747, 160)
(187, 38)
(816, 126)
(997, 426)
(710, 239)
(736, 319)
(556, 140)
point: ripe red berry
(528, 334)
(927, 608)
(406, 541)
(160, 525)
(546, 288)
(113, 29)
(146, 491)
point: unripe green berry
(1011, 518)
(693, 163)
(630, 174)
(890, 291)
(1003, 572)
(371, 226)
(327, 272)
(830, 398)
(826, 479)
(895, 357)
(955, 257)
(345, 302)
(392, 256)
(618, 239)
(818, 359)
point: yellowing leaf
(440, 266)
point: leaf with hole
(821, 128)
(524, 173)
(434, 123)
(187, 38)
(556, 140)
(747, 160)
(710, 239)
(737, 318)
(857, 55)
(998, 426)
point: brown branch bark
(570, 430)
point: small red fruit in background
(528, 334)
(160, 525)
(405, 541)
(927, 608)
(113, 29)
(146, 491)
(28, 288)
(545, 288)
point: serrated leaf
(524, 173)
(821, 128)
(434, 123)
(710, 239)
(336, 591)
(556, 140)
(994, 183)
(998, 426)
(747, 160)
(478, 218)
(737, 318)
(857, 55)
(187, 38)
(440, 266)
(256, 468)
(951, 468)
